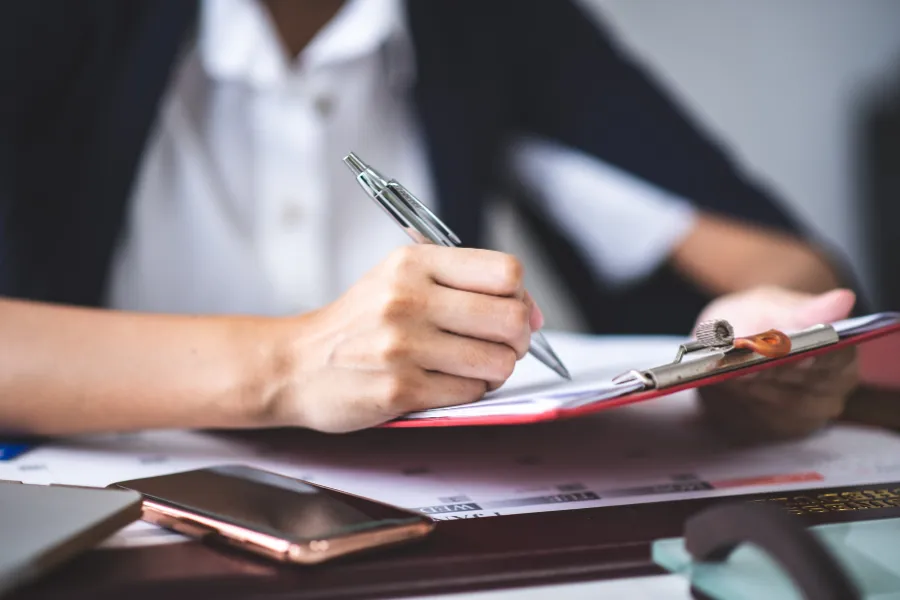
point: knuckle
(503, 363)
(515, 320)
(510, 273)
(397, 394)
(490, 386)
(404, 261)
(474, 389)
(521, 348)
(394, 346)
(398, 304)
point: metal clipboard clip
(715, 350)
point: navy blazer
(80, 84)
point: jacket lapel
(139, 78)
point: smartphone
(278, 517)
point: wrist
(272, 350)
(257, 371)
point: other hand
(791, 400)
(429, 327)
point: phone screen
(271, 503)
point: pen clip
(428, 218)
(413, 216)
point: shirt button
(324, 106)
(291, 215)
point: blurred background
(807, 95)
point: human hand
(428, 327)
(791, 400)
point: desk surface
(113, 573)
(462, 556)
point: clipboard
(714, 355)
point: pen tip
(559, 368)
(540, 347)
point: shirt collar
(238, 42)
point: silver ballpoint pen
(424, 227)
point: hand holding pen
(427, 327)
(424, 227)
(430, 326)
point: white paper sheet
(592, 362)
(865, 323)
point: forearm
(68, 370)
(724, 256)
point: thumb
(824, 308)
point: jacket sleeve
(573, 85)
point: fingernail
(830, 306)
(835, 295)
(536, 317)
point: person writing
(182, 246)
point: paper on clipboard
(533, 389)
(531, 392)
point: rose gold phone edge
(198, 525)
